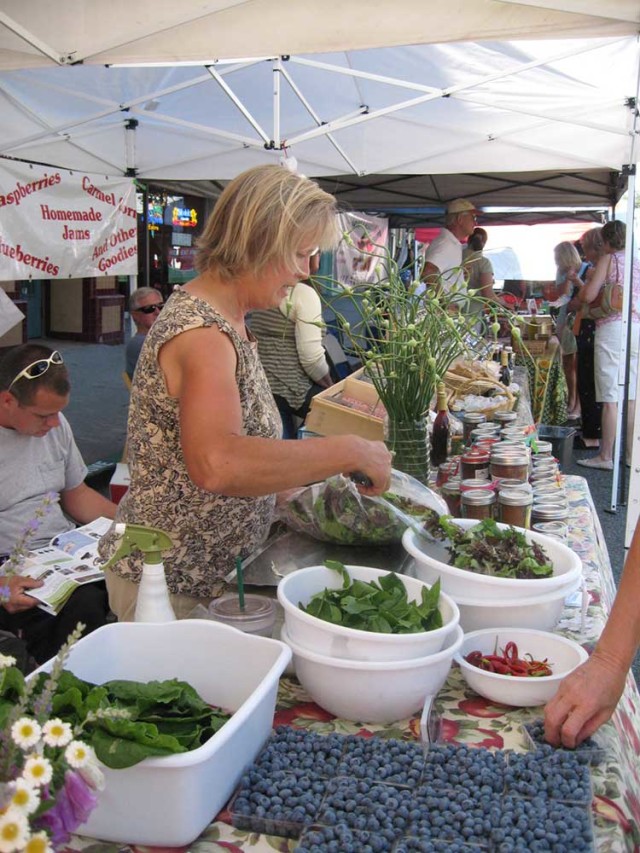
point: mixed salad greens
(489, 550)
(334, 511)
(381, 607)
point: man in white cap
(443, 267)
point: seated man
(145, 304)
(39, 457)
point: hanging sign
(60, 224)
(362, 248)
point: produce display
(157, 717)
(465, 798)
(335, 511)
(489, 550)
(379, 606)
(510, 663)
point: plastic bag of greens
(335, 511)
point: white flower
(6, 661)
(56, 733)
(14, 830)
(38, 843)
(25, 797)
(37, 770)
(78, 754)
(26, 732)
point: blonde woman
(205, 452)
(568, 264)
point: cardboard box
(328, 417)
(119, 483)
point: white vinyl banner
(60, 224)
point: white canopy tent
(204, 89)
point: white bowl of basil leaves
(366, 614)
(489, 560)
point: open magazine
(70, 560)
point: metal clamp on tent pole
(130, 126)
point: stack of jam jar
(498, 476)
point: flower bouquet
(407, 336)
(48, 777)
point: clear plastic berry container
(391, 761)
(479, 771)
(552, 774)
(282, 803)
(435, 845)
(342, 839)
(541, 824)
(290, 748)
(378, 808)
(590, 750)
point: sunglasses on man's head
(37, 368)
(149, 309)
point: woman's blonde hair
(592, 241)
(264, 216)
(567, 256)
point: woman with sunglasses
(205, 450)
(145, 304)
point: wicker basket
(534, 347)
(479, 387)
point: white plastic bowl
(325, 638)
(432, 563)
(541, 613)
(372, 691)
(562, 654)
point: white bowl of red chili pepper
(517, 667)
(432, 562)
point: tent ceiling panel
(41, 33)
(429, 109)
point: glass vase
(409, 442)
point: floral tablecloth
(469, 719)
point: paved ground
(98, 414)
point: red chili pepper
(511, 651)
(508, 663)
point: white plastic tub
(432, 563)
(169, 801)
(325, 638)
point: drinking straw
(240, 580)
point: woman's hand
(371, 467)
(585, 700)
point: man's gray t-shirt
(30, 468)
(132, 353)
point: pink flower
(74, 803)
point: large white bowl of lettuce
(487, 560)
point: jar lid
(508, 483)
(477, 483)
(544, 447)
(550, 512)
(508, 457)
(476, 454)
(505, 417)
(474, 418)
(451, 486)
(555, 528)
(478, 497)
(258, 611)
(515, 497)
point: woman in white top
(290, 349)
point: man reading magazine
(39, 458)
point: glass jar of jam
(465, 485)
(514, 507)
(477, 503)
(510, 464)
(450, 492)
(448, 470)
(474, 464)
(470, 421)
(549, 512)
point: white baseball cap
(461, 205)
